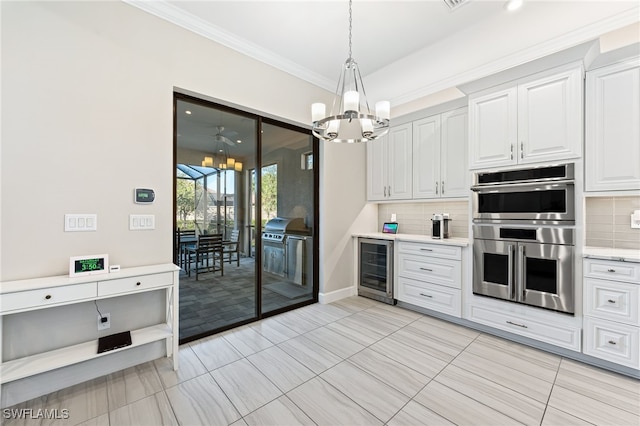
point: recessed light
(239, 141)
(187, 112)
(512, 5)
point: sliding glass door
(219, 193)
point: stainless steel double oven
(523, 230)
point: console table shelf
(49, 292)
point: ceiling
(405, 49)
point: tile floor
(216, 301)
(353, 362)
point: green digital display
(89, 265)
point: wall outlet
(106, 324)
(393, 217)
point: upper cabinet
(612, 157)
(537, 119)
(440, 156)
(389, 165)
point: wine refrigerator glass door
(376, 268)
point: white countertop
(604, 253)
(462, 242)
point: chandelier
(350, 119)
(222, 160)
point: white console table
(42, 293)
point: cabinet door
(454, 171)
(377, 169)
(613, 127)
(493, 129)
(426, 157)
(400, 164)
(550, 117)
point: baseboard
(333, 296)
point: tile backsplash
(608, 222)
(415, 218)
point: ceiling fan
(224, 137)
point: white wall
(87, 116)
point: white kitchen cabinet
(611, 306)
(389, 165)
(612, 140)
(534, 120)
(440, 156)
(430, 276)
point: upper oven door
(525, 201)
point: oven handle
(511, 249)
(520, 296)
(507, 187)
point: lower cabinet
(548, 327)
(611, 306)
(430, 276)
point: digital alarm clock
(88, 265)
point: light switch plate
(142, 222)
(635, 219)
(80, 222)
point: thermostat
(144, 196)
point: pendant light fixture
(350, 119)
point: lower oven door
(546, 276)
(493, 268)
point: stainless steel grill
(286, 248)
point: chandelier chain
(350, 14)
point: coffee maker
(440, 225)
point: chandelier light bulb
(351, 101)
(383, 109)
(318, 111)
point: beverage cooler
(375, 269)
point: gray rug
(291, 291)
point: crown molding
(188, 21)
(582, 35)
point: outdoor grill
(286, 245)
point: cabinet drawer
(612, 341)
(431, 296)
(434, 250)
(612, 270)
(133, 284)
(437, 271)
(41, 298)
(612, 300)
(554, 332)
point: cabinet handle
(426, 295)
(517, 325)
(389, 190)
(611, 301)
(138, 283)
(611, 270)
(442, 188)
(611, 342)
(521, 149)
(425, 249)
(436, 187)
(48, 296)
(512, 151)
(427, 269)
